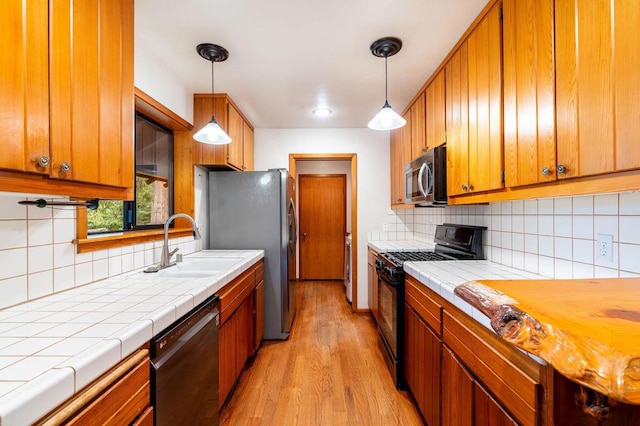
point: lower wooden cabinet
(487, 411)
(457, 392)
(121, 396)
(241, 326)
(372, 283)
(422, 365)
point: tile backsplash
(555, 237)
(38, 257)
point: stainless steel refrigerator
(256, 210)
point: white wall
(154, 78)
(272, 149)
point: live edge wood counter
(588, 330)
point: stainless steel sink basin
(200, 267)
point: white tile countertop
(52, 347)
(444, 276)
(399, 245)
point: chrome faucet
(165, 260)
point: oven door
(390, 323)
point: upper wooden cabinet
(400, 141)
(417, 127)
(529, 92)
(67, 106)
(474, 109)
(597, 86)
(239, 153)
(435, 107)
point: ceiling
(287, 57)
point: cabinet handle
(561, 169)
(546, 171)
(65, 167)
(43, 161)
(464, 187)
(470, 187)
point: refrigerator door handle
(293, 227)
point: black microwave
(426, 178)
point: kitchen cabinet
(400, 141)
(240, 330)
(236, 155)
(372, 283)
(435, 111)
(597, 87)
(529, 92)
(120, 396)
(457, 392)
(474, 109)
(417, 126)
(68, 108)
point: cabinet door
(259, 315)
(91, 91)
(24, 92)
(529, 92)
(235, 128)
(484, 49)
(418, 133)
(435, 107)
(457, 391)
(371, 277)
(597, 86)
(397, 166)
(248, 148)
(487, 411)
(204, 154)
(457, 117)
(422, 365)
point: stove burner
(415, 256)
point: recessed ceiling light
(321, 112)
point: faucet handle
(172, 252)
(178, 257)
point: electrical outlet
(385, 227)
(604, 247)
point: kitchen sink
(199, 267)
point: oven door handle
(388, 280)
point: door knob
(304, 235)
(43, 161)
(546, 171)
(561, 168)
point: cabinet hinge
(502, 176)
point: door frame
(293, 158)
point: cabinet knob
(65, 167)
(43, 161)
(561, 169)
(546, 171)
(470, 187)
(464, 187)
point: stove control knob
(390, 271)
(379, 264)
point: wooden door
(322, 226)
(457, 391)
(418, 132)
(259, 315)
(24, 92)
(248, 148)
(91, 91)
(422, 365)
(371, 278)
(485, 103)
(227, 357)
(235, 127)
(435, 107)
(457, 116)
(529, 92)
(397, 167)
(597, 86)
(487, 411)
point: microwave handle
(420, 174)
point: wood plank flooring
(329, 372)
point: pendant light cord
(212, 94)
(385, 80)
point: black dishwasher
(184, 368)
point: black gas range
(453, 242)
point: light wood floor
(329, 372)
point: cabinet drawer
(518, 391)
(234, 293)
(417, 296)
(117, 398)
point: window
(153, 201)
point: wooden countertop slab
(588, 330)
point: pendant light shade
(212, 133)
(387, 118)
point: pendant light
(212, 133)
(387, 118)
